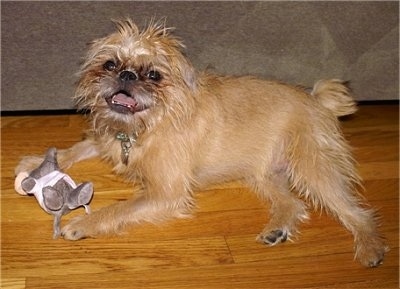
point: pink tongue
(124, 100)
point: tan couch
(298, 42)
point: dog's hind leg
(286, 212)
(322, 169)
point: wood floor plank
(298, 274)
(387, 189)
(119, 254)
(377, 153)
(13, 283)
(216, 248)
(379, 170)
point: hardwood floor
(214, 249)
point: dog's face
(135, 77)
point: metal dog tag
(126, 145)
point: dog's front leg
(80, 151)
(112, 219)
(166, 193)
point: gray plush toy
(55, 191)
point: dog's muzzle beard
(124, 100)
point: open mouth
(123, 102)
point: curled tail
(334, 95)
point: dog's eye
(110, 65)
(154, 75)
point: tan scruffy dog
(175, 130)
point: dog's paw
(76, 229)
(371, 254)
(273, 237)
(28, 164)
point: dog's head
(136, 77)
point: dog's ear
(189, 75)
(180, 66)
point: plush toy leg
(56, 227)
(87, 209)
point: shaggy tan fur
(187, 130)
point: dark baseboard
(73, 111)
(40, 112)
(379, 102)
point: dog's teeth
(123, 100)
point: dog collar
(126, 145)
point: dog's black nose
(127, 75)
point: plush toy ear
(53, 199)
(18, 183)
(80, 196)
(28, 184)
